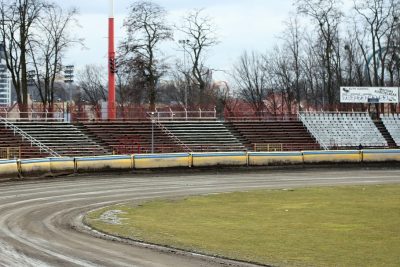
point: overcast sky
(241, 25)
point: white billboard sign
(369, 94)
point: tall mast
(111, 64)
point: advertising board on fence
(369, 94)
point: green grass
(334, 226)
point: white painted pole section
(111, 9)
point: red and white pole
(111, 64)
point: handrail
(169, 133)
(28, 137)
(183, 115)
(332, 112)
(33, 115)
(279, 147)
(310, 129)
(10, 152)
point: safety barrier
(219, 159)
(162, 161)
(332, 156)
(35, 167)
(62, 166)
(381, 155)
(9, 169)
(59, 166)
(274, 158)
(104, 163)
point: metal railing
(144, 149)
(311, 130)
(261, 147)
(184, 115)
(32, 115)
(257, 117)
(267, 147)
(32, 140)
(170, 134)
(10, 152)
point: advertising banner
(369, 94)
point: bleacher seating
(64, 138)
(392, 124)
(131, 137)
(10, 140)
(201, 136)
(285, 135)
(346, 130)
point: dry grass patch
(334, 226)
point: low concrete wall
(150, 161)
(103, 163)
(58, 166)
(381, 155)
(274, 158)
(9, 169)
(352, 156)
(219, 159)
(35, 167)
(62, 166)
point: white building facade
(5, 86)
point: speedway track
(40, 220)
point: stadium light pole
(152, 132)
(184, 43)
(111, 64)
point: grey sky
(241, 25)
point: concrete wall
(274, 158)
(353, 156)
(152, 161)
(219, 159)
(103, 163)
(62, 166)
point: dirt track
(38, 219)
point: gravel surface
(41, 221)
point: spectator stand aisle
(392, 124)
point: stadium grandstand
(343, 130)
(168, 132)
(392, 124)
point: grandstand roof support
(111, 64)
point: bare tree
(92, 84)
(47, 50)
(251, 80)
(381, 18)
(147, 27)
(200, 36)
(327, 15)
(130, 81)
(18, 18)
(292, 37)
(283, 77)
(178, 89)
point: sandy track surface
(39, 219)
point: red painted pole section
(111, 68)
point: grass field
(334, 226)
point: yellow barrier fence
(104, 163)
(332, 156)
(35, 167)
(9, 169)
(58, 166)
(380, 155)
(219, 159)
(274, 158)
(149, 161)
